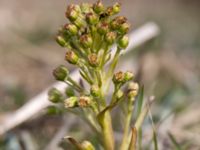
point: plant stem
(125, 140)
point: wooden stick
(40, 102)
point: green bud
(72, 12)
(69, 92)
(119, 94)
(79, 22)
(61, 73)
(71, 57)
(124, 28)
(98, 7)
(84, 101)
(128, 76)
(95, 91)
(93, 60)
(91, 18)
(61, 41)
(110, 37)
(86, 40)
(55, 95)
(123, 42)
(103, 28)
(86, 145)
(71, 29)
(118, 77)
(86, 7)
(53, 110)
(116, 8)
(71, 102)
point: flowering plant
(89, 37)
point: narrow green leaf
(140, 101)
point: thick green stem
(107, 134)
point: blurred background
(168, 66)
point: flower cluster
(89, 35)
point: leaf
(140, 101)
(132, 145)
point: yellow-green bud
(86, 145)
(124, 28)
(84, 101)
(55, 95)
(93, 60)
(110, 37)
(128, 76)
(91, 18)
(118, 77)
(116, 8)
(86, 40)
(71, 29)
(95, 91)
(103, 28)
(123, 42)
(71, 57)
(117, 22)
(61, 41)
(72, 12)
(71, 102)
(86, 7)
(79, 22)
(98, 7)
(61, 73)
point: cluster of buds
(88, 37)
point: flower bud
(95, 91)
(133, 89)
(86, 7)
(117, 22)
(124, 28)
(91, 18)
(61, 73)
(79, 22)
(128, 76)
(53, 110)
(133, 86)
(123, 42)
(71, 57)
(84, 101)
(118, 77)
(69, 92)
(55, 95)
(71, 29)
(98, 7)
(110, 37)
(72, 12)
(86, 40)
(71, 102)
(86, 145)
(103, 28)
(116, 8)
(93, 60)
(61, 41)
